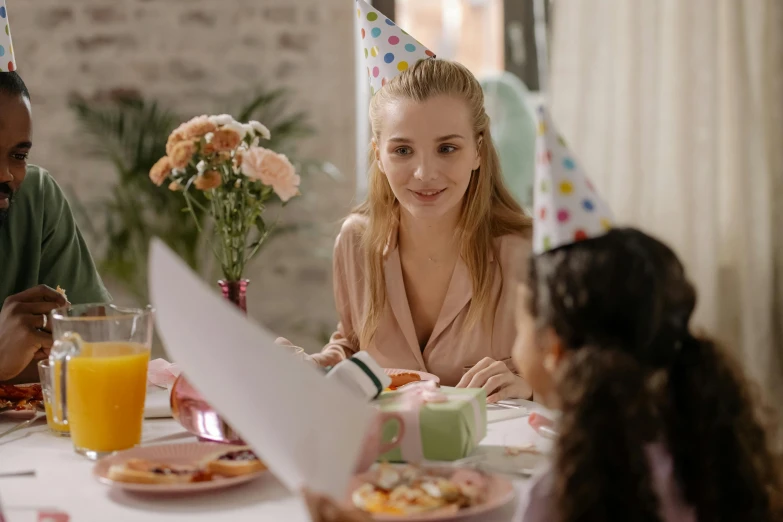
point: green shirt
(41, 244)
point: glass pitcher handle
(62, 351)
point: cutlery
(21, 473)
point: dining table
(42, 479)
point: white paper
(307, 429)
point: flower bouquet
(222, 158)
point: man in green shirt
(41, 247)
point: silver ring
(45, 321)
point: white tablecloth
(64, 481)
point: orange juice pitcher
(100, 356)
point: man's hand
(25, 329)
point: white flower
(236, 127)
(260, 129)
(249, 131)
(221, 119)
(201, 167)
(208, 136)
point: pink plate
(182, 454)
(500, 492)
(424, 375)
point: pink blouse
(450, 350)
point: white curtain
(675, 107)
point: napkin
(162, 373)
(308, 430)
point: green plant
(131, 133)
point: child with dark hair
(657, 423)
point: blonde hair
(488, 208)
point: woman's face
(428, 152)
(536, 352)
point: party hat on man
(567, 207)
(7, 60)
(387, 49)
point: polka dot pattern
(388, 50)
(7, 59)
(568, 209)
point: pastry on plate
(401, 379)
(235, 462)
(141, 471)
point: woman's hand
(324, 509)
(497, 379)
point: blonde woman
(423, 268)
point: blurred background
(675, 107)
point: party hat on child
(387, 49)
(567, 207)
(7, 61)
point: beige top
(450, 351)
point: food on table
(28, 391)
(235, 462)
(21, 398)
(401, 379)
(410, 490)
(140, 471)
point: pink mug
(373, 447)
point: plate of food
(21, 401)
(179, 468)
(402, 377)
(404, 492)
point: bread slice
(235, 462)
(140, 471)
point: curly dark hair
(623, 303)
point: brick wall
(193, 55)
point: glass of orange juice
(100, 357)
(48, 385)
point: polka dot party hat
(567, 207)
(388, 50)
(7, 61)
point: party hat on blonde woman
(567, 207)
(387, 49)
(7, 60)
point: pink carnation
(273, 170)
